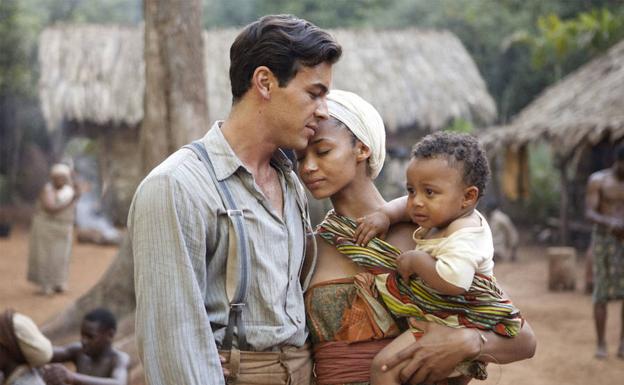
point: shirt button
(298, 320)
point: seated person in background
(22, 349)
(97, 362)
(504, 233)
(448, 278)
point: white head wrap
(35, 347)
(364, 122)
(61, 169)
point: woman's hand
(434, 356)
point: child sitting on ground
(97, 361)
(448, 278)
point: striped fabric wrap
(484, 306)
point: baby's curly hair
(462, 151)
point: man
(97, 362)
(605, 207)
(280, 74)
(22, 349)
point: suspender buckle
(235, 213)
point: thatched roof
(418, 78)
(586, 107)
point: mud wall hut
(92, 84)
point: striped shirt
(179, 232)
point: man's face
(297, 109)
(94, 338)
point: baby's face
(435, 192)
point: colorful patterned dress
(483, 306)
(348, 326)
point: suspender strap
(238, 263)
(309, 239)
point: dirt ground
(562, 321)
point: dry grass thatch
(419, 78)
(584, 108)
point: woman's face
(329, 162)
(58, 180)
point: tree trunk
(561, 268)
(175, 88)
(175, 110)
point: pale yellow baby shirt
(462, 254)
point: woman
(51, 232)
(348, 324)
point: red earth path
(562, 321)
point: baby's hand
(373, 225)
(405, 266)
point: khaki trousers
(287, 366)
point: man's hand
(226, 371)
(434, 356)
(57, 374)
(373, 225)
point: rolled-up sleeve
(175, 341)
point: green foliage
(557, 41)
(461, 126)
(543, 201)
(325, 13)
(15, 75)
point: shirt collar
(224, 159)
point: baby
(448, 277)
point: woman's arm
(48, 201)
(441, 349)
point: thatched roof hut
(583, 109)
(582, 112)
(94, 74)
(92, 83)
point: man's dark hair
(619, 152)
(282, 43)
(462, 151)
(103, 317)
